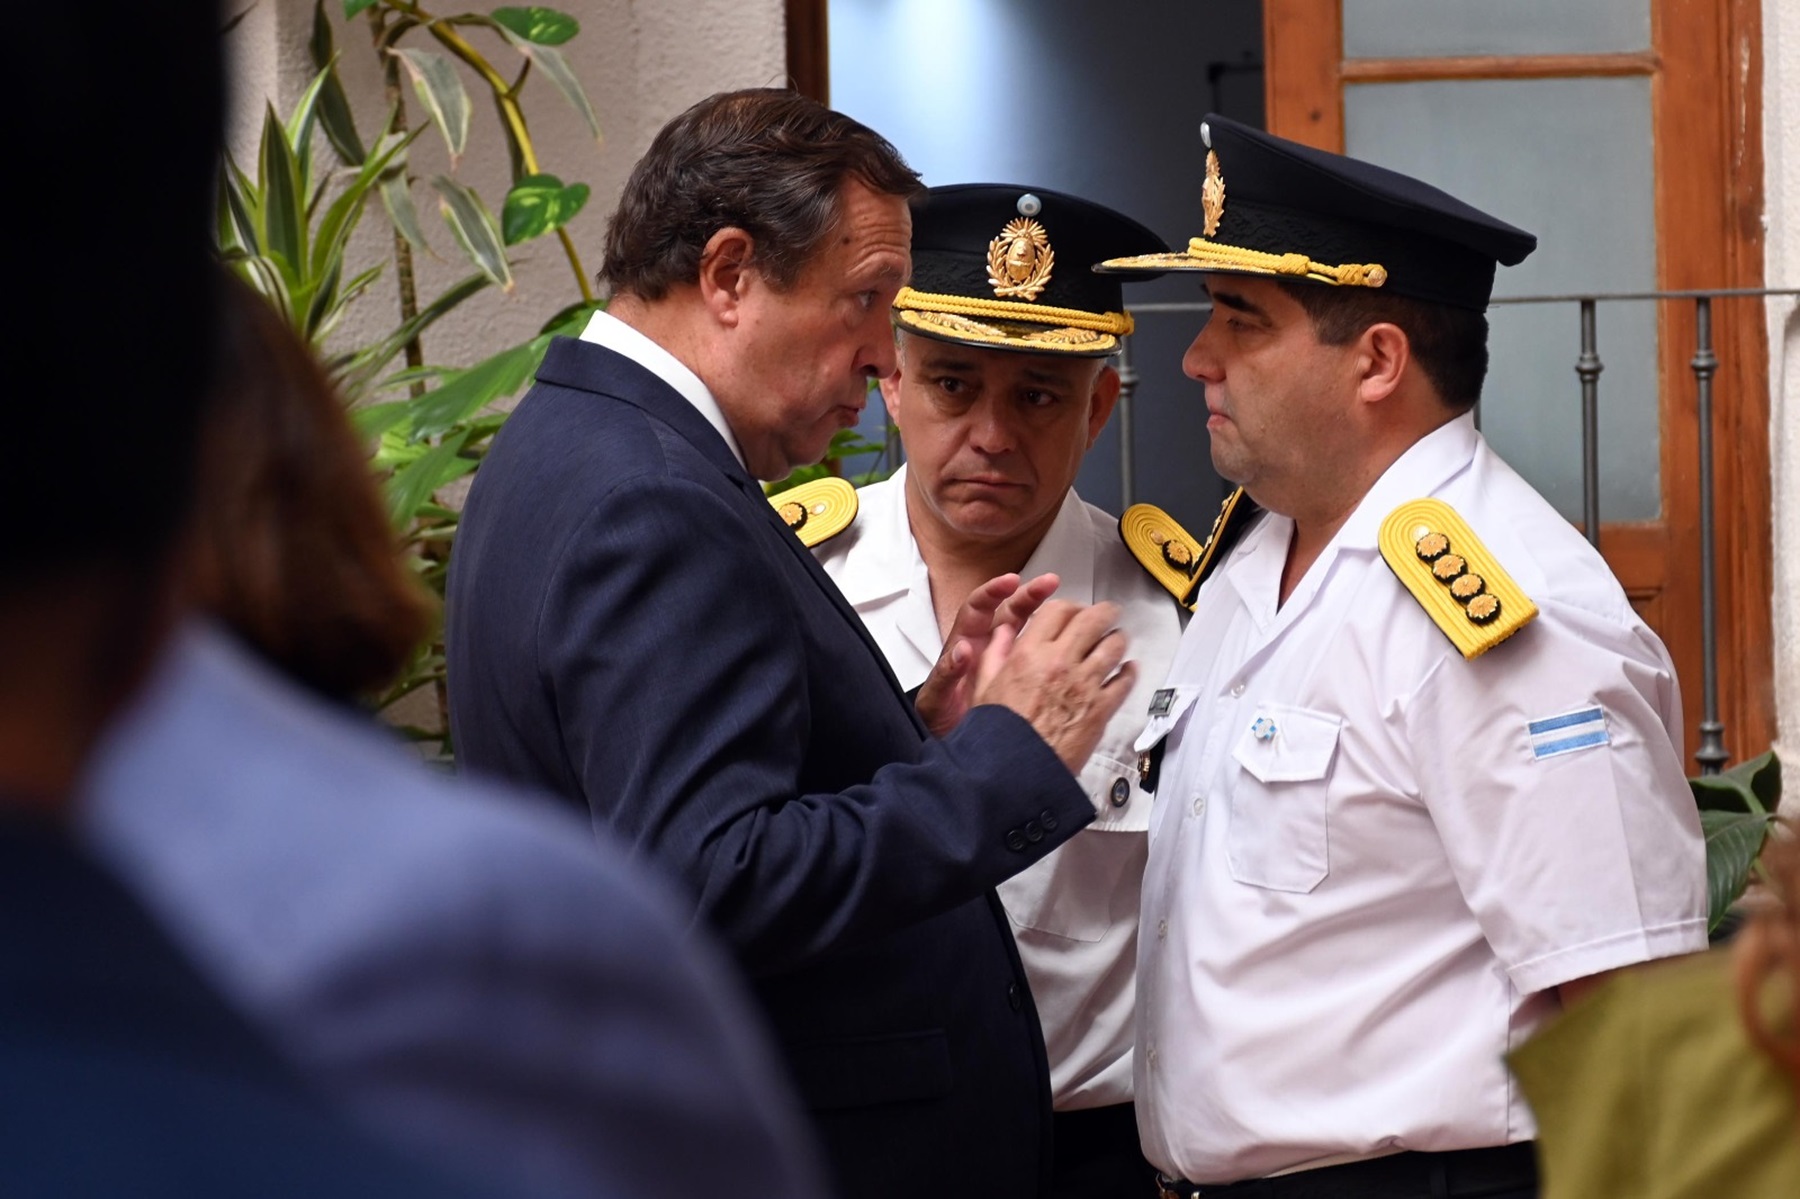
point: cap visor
(1007, 335)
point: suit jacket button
(1034, 832)
(1015, 840)
(1047, 818)
(1014, 999)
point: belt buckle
(1165, 1188)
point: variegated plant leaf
(440, 89)
(543, 26)
(475, 230)
(556, 68)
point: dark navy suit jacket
(630, 625)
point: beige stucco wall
(1781, 155)
(641, 62)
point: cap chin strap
(1119, 323)
(1351, 274)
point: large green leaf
(474, 229)
(237, 219)
(352, 7)
(415, 483)
(467, 393)
(300, 124)
(440, 89)
(544, 26)
(372, 420)
(335, 115)
(1733, 840)
(283, 221)
(1752, 786)
(539, 204)
(556, 68)
(357, 372)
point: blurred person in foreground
(462, 968)
(1004, 384)
(122, 1070)
(632, 626)
(292, 549)
(1682, 1080)
(1418, 771)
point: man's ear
(890, 395)
(1105, 399)
(724, 273)
(1384, 354)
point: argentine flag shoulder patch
(1583, 728)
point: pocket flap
(1167, 707)
(1284, 744)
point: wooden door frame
(809, 48)
(1705, 66)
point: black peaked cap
(1307, 214)
(1008, 266)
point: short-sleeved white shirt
(1354, 910)
(1073, 913)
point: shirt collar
(1065, 552)
(605, 329)
(884, 559)
(1422, 470)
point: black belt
(1459, 1172)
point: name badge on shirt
(1584, 728)
(1162, 701)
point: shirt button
(1121, 791)
(1151, 1058)
(1237, 689)
(1199, 804)
(1162, 928)
(1014, 999)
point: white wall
(641, 63)
(1781, 115)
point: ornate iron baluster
(1711, 755)
(1588, 366)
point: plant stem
(507, 98)
(403, 260)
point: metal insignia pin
(1263, 729)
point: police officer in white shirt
(1416, 764)
(1003, 387)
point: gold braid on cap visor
(1119, 323)
(1351, 274)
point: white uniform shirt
(1349, 919)
(1074, 913)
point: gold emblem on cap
(1212, 194)
(1019, 260)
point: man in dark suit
(633, 627)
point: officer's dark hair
(1449, 344)
(767, 161)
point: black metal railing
(1711, 754)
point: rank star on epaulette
(1168, 551)
(817, 510)
(1438, 558)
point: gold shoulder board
(1452, 575)
(1169, 552)
(1173, 556)
(818, 509)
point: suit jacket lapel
(593, 368)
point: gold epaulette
(1172, 555)
(1452, 575)
(818, 509)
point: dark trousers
(1503, 1172)
(1097, 1155)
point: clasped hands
(1060, 665)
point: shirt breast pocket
(1279, 837)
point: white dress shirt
(605, 329)
(1074, 914)
(1367, 870)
